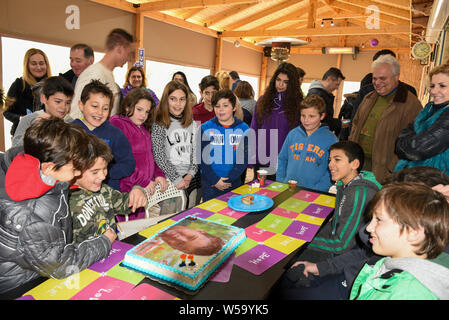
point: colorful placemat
(285, 229)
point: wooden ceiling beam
(295, 15)
(361, 22)
(228, 13)
(386, 9)
(328, 4)
(185, 4)
(402, 4)
(322, 32)
(191, 12)
(311, 16)
(181, 23)
(362, 11)
(262, 14)
(120, 4)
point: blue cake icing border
(175, 270)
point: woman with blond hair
(19, 100)
(425, 142)
(224, 81)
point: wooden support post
(339, 94)
(139, 38)
(218, 54)
(263, 76)
(311, 18)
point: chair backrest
(158, 196)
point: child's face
(57, 105)
(281, 82)
(177, 102)
(340, 167)
(385, 235)
(64, 174)
(207, 95)
(185, 239)
(95, 110)
(224, 111)
(141, 112)
(92, 178)
(311, 119)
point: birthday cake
(186, 253)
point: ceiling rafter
(320, 32)
(385, 9)
(222, 15)
(180, 4)
(259, 15)
(356, 9)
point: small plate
(260, 203)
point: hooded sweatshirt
(339, 234)
(36, 226)
(224, 154)
(305, 158)
(403, 279)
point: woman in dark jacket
(425, 142)
(19, 101)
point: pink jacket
(140, 139)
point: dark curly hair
(293, 96)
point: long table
(243, 284)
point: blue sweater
(123, 164)
(224, 153)
(305, 158)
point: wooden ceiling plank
(262, 14)
(295, 15)
(180, 4)
(121, 4)
(402, 4)
(359, 10)
(191, 12)
(215, 19)
(386, 9)
(181, 23)
(328, 4)
(320, 32)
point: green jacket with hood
(403, 279)
(338, 235)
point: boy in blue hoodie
(95, 104)
(305, 153)
(223, 148)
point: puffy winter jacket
(36, 231)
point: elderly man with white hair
(382, 115)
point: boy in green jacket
(410, 227)
(94, 204)
(355, 189)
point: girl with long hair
(276, 113)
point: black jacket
(435, 140)
(36, 233)
(333, 123)
(23, 100)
